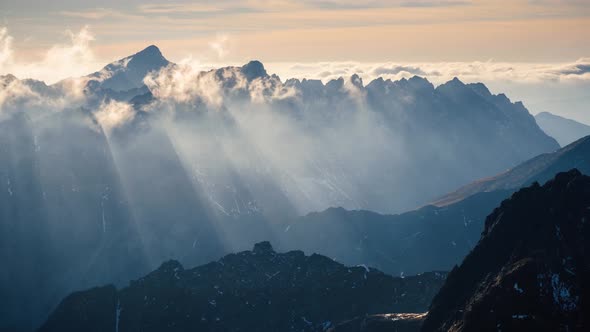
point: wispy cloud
(91, 14)
(71, 59)
(113, 114)
(220, 45)
(171, 8)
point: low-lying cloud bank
(439, 72)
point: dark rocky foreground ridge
(258, 290)
(531, 269)
(529, 272)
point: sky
(536, 51)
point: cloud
(442, 3)
(398, 69)
(580, 68)
(71, 59)
(93, 14)
(6, 50)
(36, 98)
(171, 8)
(113, 114)
(187, 83)
(583, 3)
(440, 72)
(220, 45)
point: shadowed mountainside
(530, 270)
(258, 290)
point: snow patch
(562, 295)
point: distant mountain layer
(440, 235)
(430, 238)
(540, 169)
(258, 290)
(531, 269)
(564, 130)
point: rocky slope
(530, 270)
(258, 290)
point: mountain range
(258, 290)
(441, 233)
(104, 177)
(528, 272)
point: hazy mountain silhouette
(441, 235)
(564, 130)
(430, 238)
(258, 290)
(539, 169)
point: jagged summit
(128, 73)
(150, 51)
(481, 89)
(254, 69)
(263, 248)
(454, 85)
(147, 59)
(456, 80)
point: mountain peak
(129, 72)
(148, 58)
(254, 69)
(262, 248)
(151, 51)
(456, 81)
